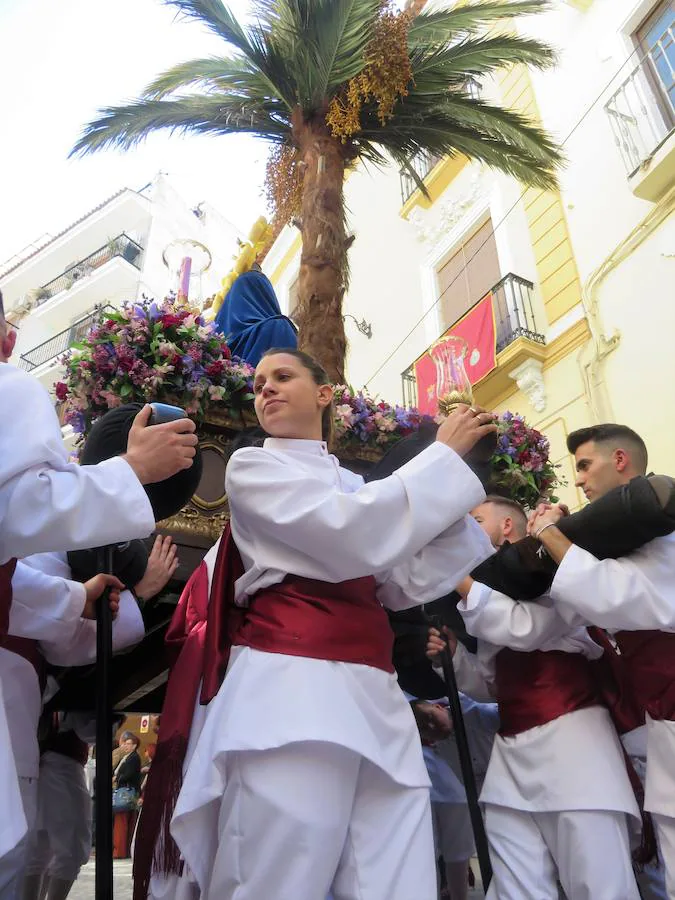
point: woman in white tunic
(308, 776)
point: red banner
(477, 328)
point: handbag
(124, 799)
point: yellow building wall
(558, 277)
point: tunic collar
(297, 445)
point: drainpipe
(592, 356)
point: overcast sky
(62, 59)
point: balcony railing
(642, 111)
(122, 246)
(514, 318)
(424, 162)
(61, 342)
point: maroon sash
(6, 573)
(300, 617)
(537, 687)
(649, 658)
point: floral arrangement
(361, 421)
(521, 468)
(148, 352)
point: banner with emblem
(478, 329)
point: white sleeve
(438, 568)
(496, 618)
(636, 592)
(475, 676)
(47, 503)
(44, 606)
(80, 650)
(301, 524)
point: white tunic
(64, 638)
(572, 762)
(634, 593)
(295, 510)
(47, 503)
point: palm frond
(211, 73)
(342, 37)
(476, 56)
(445, 25)
(124, 127)
(503, 140)
(253, 43)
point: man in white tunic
(556, 793)
(632, 597)
(47, 504)
(50, 629)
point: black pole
(477, 824)
(104, 771)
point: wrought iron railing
(61, 342)
(122, 246)
(424, 162)
(514, 318)
(642, 111)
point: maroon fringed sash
(29, 650)
(6, 573)
(65, 743)
(300, 617)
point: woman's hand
(464, 427)
(437, 642)
(162, 564)
(95, 587)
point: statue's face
(599, 469)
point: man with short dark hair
(556, 794)
(633, 597)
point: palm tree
(331, 82)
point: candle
(184, 279)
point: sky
(60, 60)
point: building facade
(582, 279)
(128, 247)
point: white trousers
(665, 829)
(13, 864)
(310, 818)
(587, 850)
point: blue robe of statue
(251, 319)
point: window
(468, 274)
(656, 39)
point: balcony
(422, 163)
(53, 348)
(121, 246)
(514, 320)
(642, 117)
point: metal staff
(477, 824)
(104, 770)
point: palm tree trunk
(323, 264)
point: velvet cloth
(649, 660)
(251, 319)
